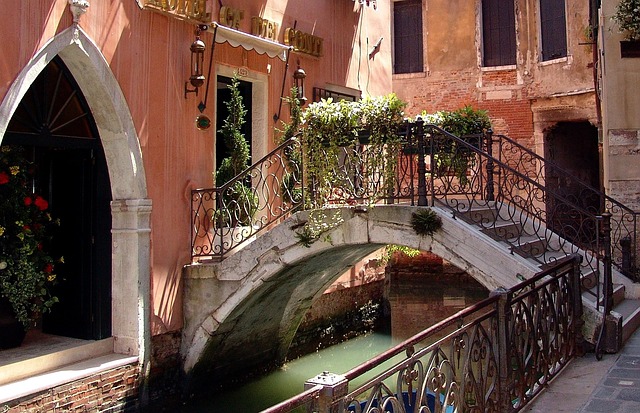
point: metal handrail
(624, 220)
(494, 356)
(224, 218)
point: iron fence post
(488, 141)
(422, 169)
(625, 247)
(502, 324)
(219, 220)
(576, 300)
(608, 282)
(334, 386)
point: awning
(248, 41)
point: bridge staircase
(509, 193)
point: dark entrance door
(224, 94)
(573, 147)
(53, 121)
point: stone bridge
(243, 312)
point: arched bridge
(245, 310)
(500, 224)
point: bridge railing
(222, 219)
(623, 220)
(494, 356)
(487, 180)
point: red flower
(41, 203)
(4, 178)
(28, 200)
(26, 228)
(48, 268)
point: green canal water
(415, 303)
(289, 380)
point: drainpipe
(594, 7)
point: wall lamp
(197, 63)
(298, 81)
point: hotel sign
(303, 42)
(192, 10)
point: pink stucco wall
(148, 53)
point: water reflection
(415, 302)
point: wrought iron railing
(624, 221)
(507, 194)
(222, 219)
(494, 356)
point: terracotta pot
(12, 332)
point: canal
(415, 300)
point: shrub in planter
(463, 123)
(328, 127)
(26, 268)
(240, 203)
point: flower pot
(12, 332)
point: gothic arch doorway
(54, 123)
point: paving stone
(629, 362)
(620, 382)
(605, 393)
(629, 394)
(632, 374)
(604, 406)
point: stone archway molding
(130, 206)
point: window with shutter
(553, 29)
(407, 36)
(498, 33)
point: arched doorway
(54, 123)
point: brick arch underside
(274, 280)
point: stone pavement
(586, 385)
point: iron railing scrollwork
(510, 192)
(494, 356)
(224, 218)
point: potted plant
(26, 268)
(329, 127)
(466, 123)
(627, 17)
(239, 201)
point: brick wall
(109, 391)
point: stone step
(618, 294)
(630, 311)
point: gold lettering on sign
(303, 42)
(181, 9)
(264, 28)
(231, 17)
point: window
(553, 30)
(498, 33)
(407, 36)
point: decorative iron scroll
(490, 181)
(223, 218)
(494, 356)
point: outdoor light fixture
(298, 82)
(197, 63)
